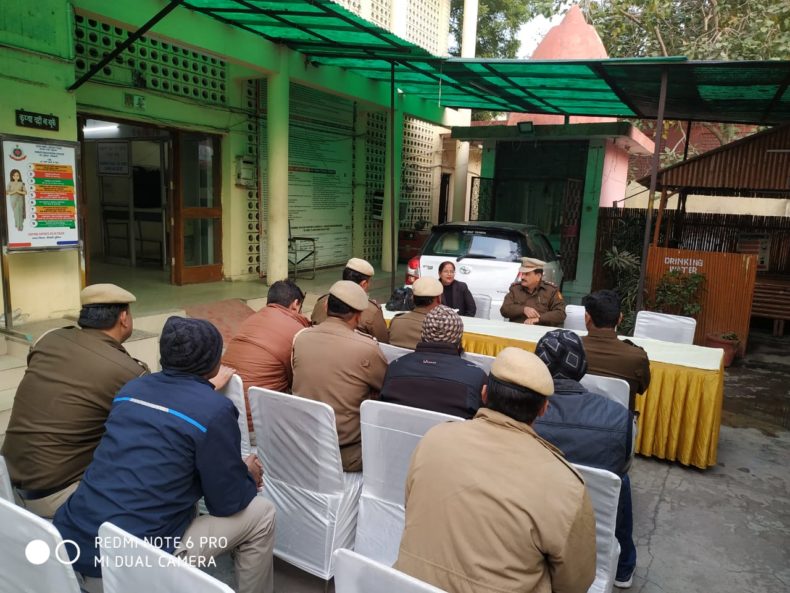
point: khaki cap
(105, 294)
(523, 368)
(427, 287)
(530, 263)
(351, 293)
(361, 266)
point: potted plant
(728, 341)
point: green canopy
(326, 33)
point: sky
(533, 32)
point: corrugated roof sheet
(327, 33)
(758, 165)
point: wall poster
(40, 194)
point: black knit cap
(563, 352)
(190, 345)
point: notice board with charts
(40, 193)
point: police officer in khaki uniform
(534, 301)
(372, 319)
(335, 364)
(60, 407)
(492, 507)
(406, 328)
(607, 355)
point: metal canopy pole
(662, 100)
(391, 139)
(129, 41)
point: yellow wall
(35, 78)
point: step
(154, 323)
(144, 346)
(5, 416)
(12, 369)
(7, 398)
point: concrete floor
(155, 294)
(725, 529)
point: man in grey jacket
(590, 430)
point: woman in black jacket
(456, 294)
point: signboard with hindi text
(40, 194)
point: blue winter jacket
(588, 428)
(170, 439)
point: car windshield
(476, 244)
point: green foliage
(498, 23)
(731, 336)
(679, 294)
(698, 29)
(623, 267)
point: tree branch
(661, 41)
(631, 17)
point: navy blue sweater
(170, 439)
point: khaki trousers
(47, 507)
(248, 533)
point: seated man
(607, 355)
(492, 507)
(261, 350)
(533, 301)
(590, 430)
(406, 328)
(58, 415)
(340, 366)
(435, 377)
(371, 321)
(170, 440)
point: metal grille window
(149, 63)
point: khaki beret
(523, 368)
(427, 287)
(361, 266)
(530, 263)
(105, 294)
(351, 293)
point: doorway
(150, 211)
(444, 197)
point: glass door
(197, 212)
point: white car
(487, 257)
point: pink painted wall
(615, 175)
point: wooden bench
(772, 300)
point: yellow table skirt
(680, 414)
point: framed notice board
(40, 193)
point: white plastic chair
(574, 318)
(316, 501)
(31, 550)
(603, 488)
(661, 326)
(389, 435)
(483, 305)
(482, 360)
(234, 391)
(130, 564)
(611, 388)
(393, 352)
(6, 491)
(357, 574)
